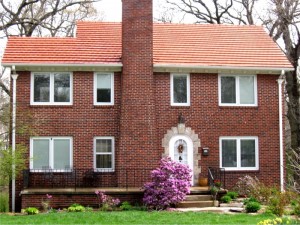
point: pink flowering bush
(105, 202)
(170, 184)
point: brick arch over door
(181, 129)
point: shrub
(126, 206)
(76, 208)
(232, 194)
(4, 202)
(251, 199)
(279, 201)
(249, 186)
(31, 211)
(105, 202)
(170, 184)
(252, 207)
(226, 199)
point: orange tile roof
(174, 44)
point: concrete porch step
(203, 197)
(198, 204)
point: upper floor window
(51, 88)
(239, 153)
(237, 90)
(51, 153)
(103, 89)
(180, 89)
(104, 154)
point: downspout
(14, 77)
(280, 81)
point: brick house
(107, 104)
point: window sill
(104, 170)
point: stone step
(198, 198)
(198, 204)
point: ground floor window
(239, 153)
(51, 153)
(104, 154)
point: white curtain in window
(61, 148)
(40, 153)
(246, 89)
(103, 81)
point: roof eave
(175, 68)
(110, 67)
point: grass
(135, 217)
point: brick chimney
(137, 144)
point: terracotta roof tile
(181, 44)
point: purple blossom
(170, 184)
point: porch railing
(76, 178)
(216, 174)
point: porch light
(205, 151)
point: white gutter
(280, 82)
(14, 77)
(199, 67)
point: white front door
(181, 150)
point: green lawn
(134, 217)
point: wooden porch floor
(30, 191)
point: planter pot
(216, 203)
(203, 182)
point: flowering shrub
(106, 202)
(275, 221)
(46, 202)
(170, 184)
(217, 183)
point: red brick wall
(211, 121)
(60, 201)
(138, 144)
(82, 121)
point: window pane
(61, 151)
(42, 88)
(104, 145)
(229, 158)
(62, 87)
(248, 153)
(247, 90)
(40, 153)
(103, 161)
(103, 88)
(228, 90)
(180, 89)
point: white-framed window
(237, 90)
(103, 89)
(239, 153)
(51, 153)
(51, 88)
(180, 89)
(104, 154)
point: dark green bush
(253, 207)
(251, 199)
(232, 194)
(226, 199)
(126, 206)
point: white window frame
(238, 140)
(172, 91)
(112, 169)
(237, 94)
(51, 158)
(51, 89)
(111, 92)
